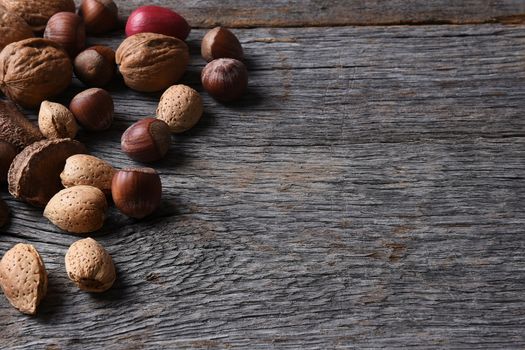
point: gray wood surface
(366, 193)
(294, 13)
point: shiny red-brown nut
(95, 66)
(136, 192)
(7, 154)
(100, 16)
(156, 19)
(93, 109)
(67, 29)
(221, 43)
(148, 140)
(225, 79)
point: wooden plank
(367, 193)
(298, 13)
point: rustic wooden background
(368, 192)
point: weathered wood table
(368, 191)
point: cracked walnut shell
(37, 12)
(33, 70)
(152, 62)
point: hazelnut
(37, 12)
(90, 266)
(93, 109)
(152, 62)
(226, 79)
(100, 16)
(15, 128)
(12, 28)
(32, 70)
(221, 43)
(7, 154)
(34, 175)
(156, 19)
(180, 107)
(148, 140)
(95, 66)
(136, 192)
(67, 29)
(56, 121)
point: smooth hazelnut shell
(148, 140)
(156, 19)
(225, 79)
(95, 66)
(136, 192)
(220, 42)
(100, 16)
(67, 29)
(93, 109)
(7, 154)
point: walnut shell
(180, 107)
(90, 266)
(77, 209)
(33, 70)
(152, 62)
(34, 175)
(37, 12)
(12, 28)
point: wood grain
(298, 13)
(367, 193)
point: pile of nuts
(44, 166)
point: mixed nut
(45, 167)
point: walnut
(12, 28)
(37, 12)
(152, 62)
(32, 70)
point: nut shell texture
(100, 16)
(33, 70)
(78, 209)
(7, 154)
(23, 277)
(180, 107)
(83, 169)
(34, 175)
(95, 66)
(12, 28)
(136, 192)
(55, 121)
(37, 12)
(152, 62)
(90, 266)
(93, 109)
(226, 79)
(67, 29)
(220, 42)
(148, 140)
(15, 128)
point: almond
(180, 107)
(23, 277)
(56, 121)
(90, 266)
(78, 209)
(82, 169)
